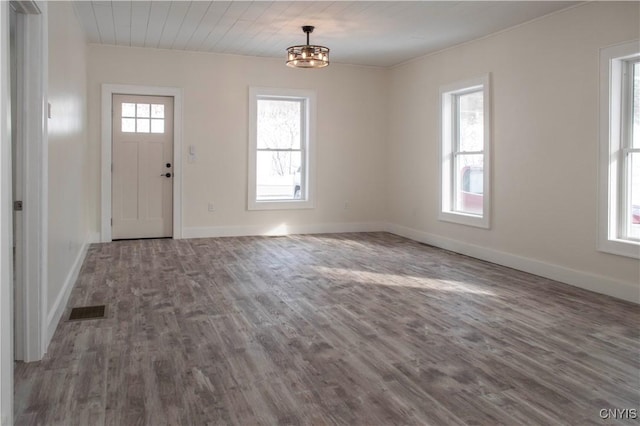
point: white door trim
(6, 228)
(32, 133)
(108, 90)
(35, 196)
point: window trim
(613, 60)
(308, 97)
(448, 126)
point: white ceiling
(357, 32)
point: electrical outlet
(210, 207)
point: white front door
(142, 173)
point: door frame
(32, 318)
(35, 193)
(108, 90)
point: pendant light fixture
(307, 56)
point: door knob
(166, 175)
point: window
(464, 144)
(281, 148)
(142, 118)
(619, 191)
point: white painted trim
(53, 318)
(283, 229)
(584, 280)
(445, 212)
(32, 132)
(108, 90)
(6, 227)
(309, 97)
(609, 163)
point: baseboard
(60, 304)
(584, 280)
(283, 229)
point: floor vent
(87, 312)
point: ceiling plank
(172, 25)
(104, 18)
(157, 17)
(122, 22)
(140, 14)
(231, 15)
(206, 25)
(84, 12)
(195, 15)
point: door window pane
(157, 111)
(279, 124)
(469, 188)
(157, 126)
(278, 175)
(128, 125)
(128, 110)
(471, 122)
(143, 125)
(142, 110)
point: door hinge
(17, 206)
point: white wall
(545, 144)
(68, 155)
(351, 106)
(6, 281)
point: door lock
(166, 175)
(168, 165)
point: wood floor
(357, 329)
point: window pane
(157, 126)
(469, 187)
(128, 125)
(279, 124)
(635, 140)
(143, 125)
(143, 110)
(128, 110)
(633, 209)
(278, 175)
(157, 111)
(471, 121)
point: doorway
(141, 183)
(141, 180)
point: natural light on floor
(376, 278)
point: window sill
(620, 247)
(464, 219)
(280, 205)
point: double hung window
(464, 147)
